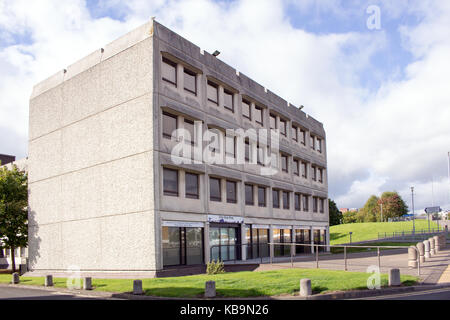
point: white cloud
(391, 138)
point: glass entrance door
(224, 242)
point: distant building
(5, 159)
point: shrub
(215, 267)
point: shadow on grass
(189, 292)
(337, 236)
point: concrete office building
(105, 193)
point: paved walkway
(430, 271)
(445, 277)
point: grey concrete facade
(97, 153)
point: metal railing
(314, 248)
(316, 252)
(422, 234)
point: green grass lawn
(238, 284)
(369, 231)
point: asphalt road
(436, 294)
(9, 293)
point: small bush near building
(215, 267)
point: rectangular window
(276, 199)
(213, 92)
(262, 197)
(322, 205)
(249, 199)
(285, 199)
(315, 204)
(246, 110)
(231, 192)
(228, 100)
(169, 71)
(169, 125)
(274, 160)
(273, 122)
(314, 173)
(311, 142)
(259, 115)
(192, 189)
(305, 203)
(260, 155)
(284, 163)
(189, 127)
(294, 133)
(170, 183)
(182, 246)
(297, 197)
(215, 190)
(319, 145)
(283, 127)
(304, 170)
(247, 150)
(303, 137)
(296, 168)
(231, 147)
(321, 175)
(190, 81)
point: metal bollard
(426, 244)
(305, 287)
(210, 289)
(412, 257)
(48, 281)
(137, 287)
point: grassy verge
(239, 284)
(391, 244)
(369, 231)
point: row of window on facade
(280, 198)
(185, 246)
(299, 167)
(250, 110)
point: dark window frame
(214, 198)
(230, 93)
(284, 156)
(249, 202)
(234, 184)
(276, 205)
(171, 193)
(173, 64)
(260, 203)
(272, 116)
(296, 167)
(246, 102)
(191, 73)
(283, 124)
(297, 201)
(216, 86)
(167, 114)
(257, 108)
(287, 204)
(294, 130)
(305, 203)
(192, 195)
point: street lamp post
(414, 220)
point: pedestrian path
(445, 277)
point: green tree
(13, 210)
(335, 214)
(371, 210)
(393, 205)
(349, 217)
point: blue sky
(381, 94)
